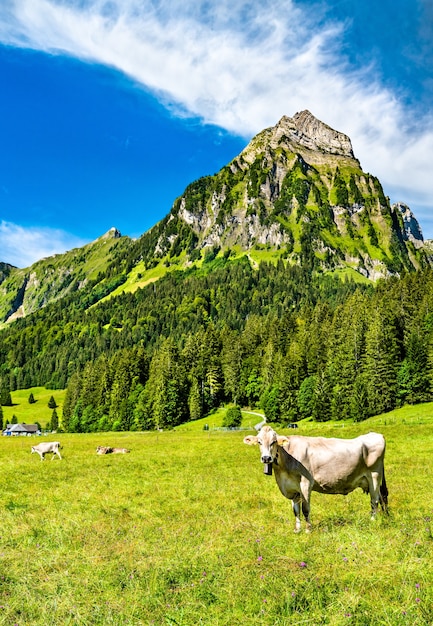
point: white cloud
(22, 247)
(240, 65)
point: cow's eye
(259, 442)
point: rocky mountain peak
(305, 130)
(113, 233)
(298, 189)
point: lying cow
(109, 450)
(103, 450)
(334, 466)
(47, 446)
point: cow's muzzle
(266, 459)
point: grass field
(31, 413)
(186, 530)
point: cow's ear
(251, 440)
(281, 440)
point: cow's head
(268, 440)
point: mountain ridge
(296, 192)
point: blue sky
(110, 108)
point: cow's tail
(384, 494)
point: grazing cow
(109, 450)
(47, 446)
(334, 466)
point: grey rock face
(306, 130)
(412, 230)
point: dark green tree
(167, 388)
(413, 376)
(381, 361)
(270, 403)
(52, 404)
(31, 398)
(232, 417)
(54, 424)
(307, 396)
(5, 395)
(194, 400)
(359, 399)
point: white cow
(334, 466)
(47, 446)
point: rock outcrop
(411, 228)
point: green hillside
(25, 291)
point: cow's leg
(305, 494)
(374, 490)
(383, 495)
(42, 455)
(296, 506)
(306, 512)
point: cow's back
(46, 446)
(336, 465)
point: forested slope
(274, 337)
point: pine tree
(71, 399)
(31, 398)
(413, 377)
(194, 401)
(167, 387)
(5, 394)
(54, 424)
(381, 361)
(307, 396)
(52, 404)
(347, 353)
(231, 362)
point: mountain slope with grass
(24, 291)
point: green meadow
(39, 411)
(186, 530)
